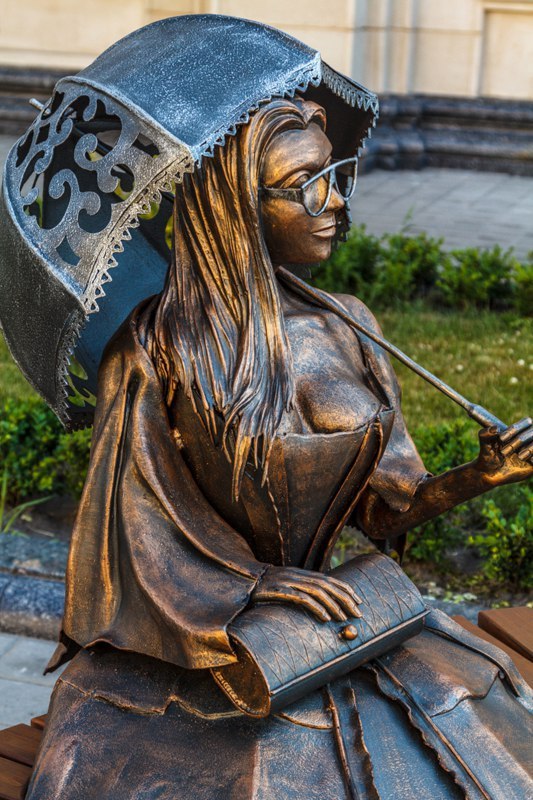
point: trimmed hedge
(38, 455)
(396, 269)
(497, 527)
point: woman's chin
(323, 251)
(317, 251)
(320, 251)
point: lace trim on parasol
(299, 81)
(353, 95)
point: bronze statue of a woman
(239, 424)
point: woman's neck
(291, 303)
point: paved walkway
(466, 208)
(24, 690)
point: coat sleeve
(152, 568)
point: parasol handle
(485, 418)
(476, 412)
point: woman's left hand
(506, 456)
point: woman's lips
(326, 232)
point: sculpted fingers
(345, 587)
(506, 457)
(342, 595)
(300, 598)
(518, 443)
(526, 454)
(518, 439)
(327, 582)
(510, 432)
(325, 597)
(326, 600)
(330, 590)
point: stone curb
(31, 606)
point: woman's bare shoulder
(359, 310)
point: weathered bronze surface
(240, 423)
(284, 652)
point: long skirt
(442, 717)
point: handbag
(284, 652)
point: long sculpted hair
(219, 329)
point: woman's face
(292, 235)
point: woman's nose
(336, 201)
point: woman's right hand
(324, 596)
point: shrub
(498, 526)
(8, 518)
(524, 287)
(397, 269)
(38, 455)
(72, 458)
(443, 447)
(506, 544)
(446, 445)
(477, 278)
(383, 272)
(351, 269)
(407, 268)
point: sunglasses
(316, 192)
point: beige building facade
(468, 48)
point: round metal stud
(349, 632)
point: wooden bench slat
(39, 722)
(522, 664)
(20, 743)
(513, 626)
(14, 779)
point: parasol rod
(476, 412)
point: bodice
(313, 483)
(161, 557)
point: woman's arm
(498, 463)
(401, 494)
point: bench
(511, 629)
(18, 749)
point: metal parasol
(87, 191)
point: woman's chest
(334, 390)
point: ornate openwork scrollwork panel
(81, 170)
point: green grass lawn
(486, 356)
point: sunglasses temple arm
(476, 412)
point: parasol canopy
(87, 191)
